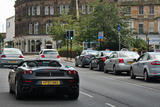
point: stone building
(144, 18)
(33, 19)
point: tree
(106, 17)
(61, 25)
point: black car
(85, 57)
(99, 59)
(33, 77)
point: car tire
(98, 67)
(114, 71)
(10, 90)
(146, 77)
(105, 71)
(18, 91)
(76, 65)
(90, 66)
(132, 74)
(74, 94)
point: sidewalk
(69, 60)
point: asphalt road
(96, 90)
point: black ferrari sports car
(33, 77)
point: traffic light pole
(71, 50)
(67, 48)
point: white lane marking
(108, 104)
(86, 94)
(142, 86)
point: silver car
(147, 66)
(120, 61)
(48, 54)
(10, 57)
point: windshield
(12, 51)
(129, 54)
(107, 53)
(93, 52)
(50, 52)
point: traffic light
(70, 34)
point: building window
(33, 10)
(128, 10)
(66, 8)
(30, 28)
(48, 27)
(140, 26)
(46, 10)
(151, 9)
(88, 9)
(51, 10)
(36, 28)
(38, 10)
(84, 9)
(140, 10)
(151, 26)
(61, 9)
(29, 11)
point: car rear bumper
(123, 67)
(41, 89)
(10, 62)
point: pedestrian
(152, 49)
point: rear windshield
(44, 63)
(50, 52)
(12, 51)
(156, 56)
(129, 54)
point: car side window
(140, 58)
(40, 52)
(83, 53)
(112, 55)
(145, 57)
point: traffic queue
(146, 65)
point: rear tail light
(21, 56)
(28, 72)
(70, 72)
(42, 56)
(3, 56)
(155, 63)
(86, 56)
(28, 81)
(104, 59)
(121, 61)
(58, 56)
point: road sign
(100, 35)
(119, 28)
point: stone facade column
(35, 45)
(26, 46)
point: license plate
(130, 62)
(13, 61)
(51, 82)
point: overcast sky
(6, 11)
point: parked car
(48, 54)
(99, 59)
(32, 77)
(10, 57)
(120, 61)
(147, 66)
(85, 57)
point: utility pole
(119, 36)
(77, 10)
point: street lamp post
(147, 40)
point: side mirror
(107, 57)
(135, 60)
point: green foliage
(139, 44)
